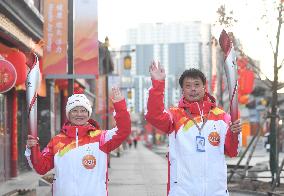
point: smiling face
(193, 89)
(79, 116)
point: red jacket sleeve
(156, 114)
(231, 141)
(44, 160)
(111, 139)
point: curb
(248, 193)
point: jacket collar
(197, 108)
(83, 130)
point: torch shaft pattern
(32, 84)
(231, 71)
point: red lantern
(8, 76)
(18, 59)
(243, 99)
(63, 85)
(246, 81)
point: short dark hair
(192, 73)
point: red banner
(55, 37)
(86, 37)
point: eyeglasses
(79, 111)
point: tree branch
(280, 85)
(256, 69)
(281, 64)
(271, 45)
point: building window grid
(187, 34)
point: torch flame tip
(225, 42)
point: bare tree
(274, 149)
(226, 19)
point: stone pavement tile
(139, 172)
(28, 181)
(137, 190)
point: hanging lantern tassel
(231, 71)
(32, 84)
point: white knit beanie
(78, 100)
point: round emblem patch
(8, 76)
(89, 161)
(214, 138)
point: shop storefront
(20, 31)
(4, 139)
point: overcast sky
(116, 16)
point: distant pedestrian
(129, 141)
(79, 152)
(200, 135)
(135, 141)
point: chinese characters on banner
(85, 37)
(55, 37)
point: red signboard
(8, 76)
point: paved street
(138, 172)
(141, 172)
(26, 181)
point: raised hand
(157, 72)
(116, 95)
(31, 141)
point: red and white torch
(32, 84)
(231, 71)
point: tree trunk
(273, 138)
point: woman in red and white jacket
(79, 152)
(200, 134)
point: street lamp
(107, 60)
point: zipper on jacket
(77, 137)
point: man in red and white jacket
(200, 135)
(79, 152)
